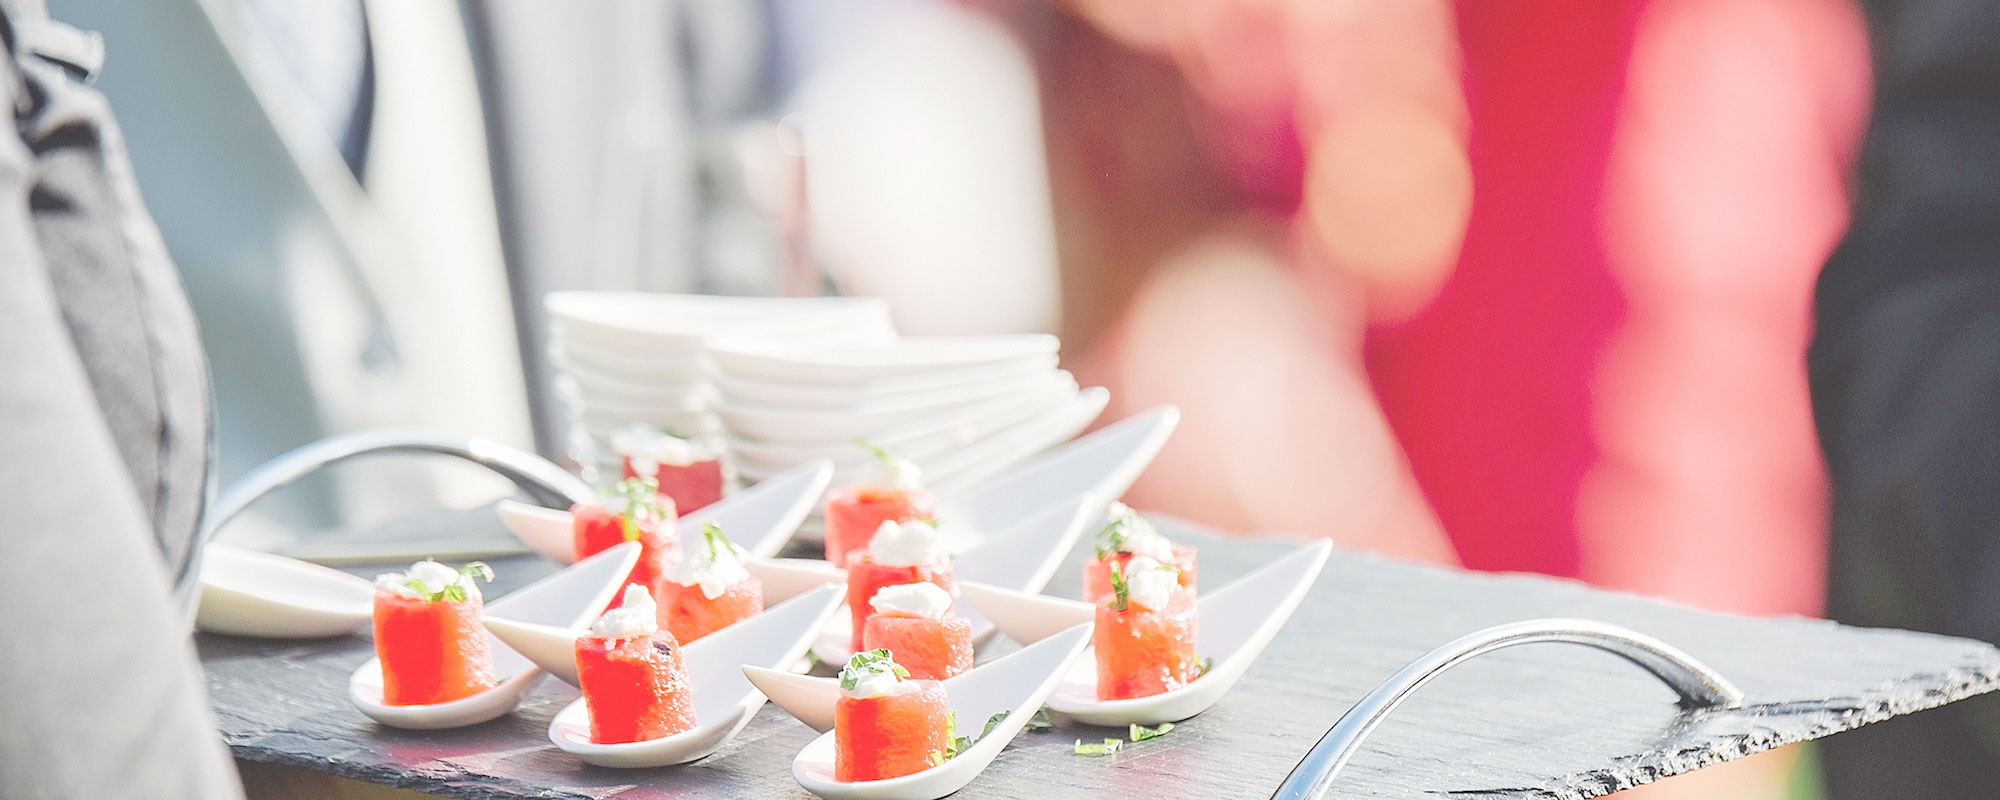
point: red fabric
(1488, 388)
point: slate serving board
(1542, 721)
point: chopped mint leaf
(640, 494)
(669, 430)
(938, 757)
(455, 593)
(992, 721)
(868, 663)
(712, 533)
(889, 468)
(931, 522)
(1207, 664)
(1109, 747)
(418, 586)
(1112, 538)
(477, 569)
(955, 744)
(1040, 721)
(1140, 733)
(1121, 591)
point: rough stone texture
(1542, 721)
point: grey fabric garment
(1905, 370)
(104, 455)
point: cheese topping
(1150, 583)
(1127, 532)
(912, 600)
(638, 616)
(873, 673)
(648, 448)
(435, 578)
(714, 563)
(907, 544)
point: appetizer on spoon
(723, 700)
(762, 518)
(1138, 672)
(434, 666)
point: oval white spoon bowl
(1015, 685)
(760, 519)
(1236, 622)
(248, 593)
(570, 598)
(724, 699)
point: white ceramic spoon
(1235, 624)
(1015, 686)
(248, 593)
(760, 519)
(1099, 467)
(724, 700)
(1023, 559)
(570, 598)
(553, 647)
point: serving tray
(1537, 721)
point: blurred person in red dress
(1520, 285)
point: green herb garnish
(1123, 525)
(640, 494)
(1207, 664)
(953, 743)
(712, 534)
(1109, 747)
(452, 592)
(1039, 721)
(1121, 591)
(890, 468)
(869, 663)
(1140, 733)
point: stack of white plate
(962, 407)
(630, 357)
(783, 381)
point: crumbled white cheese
(434, 576)
(1133, 534)
(1149, 583)
(907, 544)
(912, 600)
(637, 616)
(648, 448)
(713, 563)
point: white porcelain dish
(882, 413)
(571, 598)
(553, 647)
(973, 464)
(760, 519)
(916, 441)
(812, 362)
(991, 414)
(724, 700)
(950, 465)
(1100, 466)
(738, 389)
(1013, 686)
(598, 366)
(662, 321)
(248, 593)
(1235, 624)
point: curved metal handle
(1699, 687)
(547, 483)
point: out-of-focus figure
(1524, 285)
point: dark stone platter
(1542, 721)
